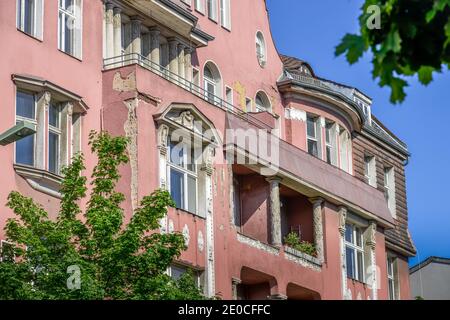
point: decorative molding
(257, 244)
(295, 114)
(200, 241)
(186, 235)
(171, 226)
(302, 259)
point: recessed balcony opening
(296, 214)
(255, 285)
(295, 292)
(251, 193)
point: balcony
(261, 120)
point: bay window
(69, 27)
(29, 17)
(313, 136)
(354, 252)
(183, 176)
(25, 111)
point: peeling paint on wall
(240, 89)
(124, 84)
(131, 132)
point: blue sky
(310, 30)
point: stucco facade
(209, 71)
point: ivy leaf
(447, 33)
(425, 74)
(393, 41)
(354, 45)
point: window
(370, 170)
(6, 251)
(25, 111)
(54, 137)
(225, 14)
(177, 271)
(261, 49)
(354, 252)
(248, 105)
(212, 83)
(183, 176)
(389, 189)
(69, 27)
(262, 102)
(29, 17)
(313, 136)
(330, 143)
(392, 278)
(344, 150)
(212, 9)
(199, 6)
(229, 97)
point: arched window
(261, 49)
(212, 83)
(262, 102)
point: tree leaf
(354, 45)
(425, 74)
(398, 90)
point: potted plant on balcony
(292, 240)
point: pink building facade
(201, 92)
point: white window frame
(38, 15)
(391, 278)
(200, 6)
(197, 274)
(56, 131)
(370, 170)
(33, 121)
(330, 129)
(345, 154)
(229, 99)
(389, 189)
(77, 17)
(212, 8)
(316, 137)
(225, 14)
(186, 173)
(261, 54)
(359, 274)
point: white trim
(225, 14)
(261, 56)
(360, 274)
(268, 108)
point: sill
(357, 281)
(70, 55)
(303, 256)
(40, 180)
(179, 211)
(212, 20)
(226, 28)
(257, 244)
(200, 12)
(30, 35)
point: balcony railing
(135, 58)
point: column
(181, 70)
(43, 103)
(173, 56)
(154, 46)
(109, 17)
(117, 24)
(235, 282)
(66, 124)
(371, 245)
(136, 37)
(188, 64)
(318, 227)
(275, 211)
(342, 219)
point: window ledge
(40, 180)
(306, 258)
(34, 37)
(179, 211)
(257, 244)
